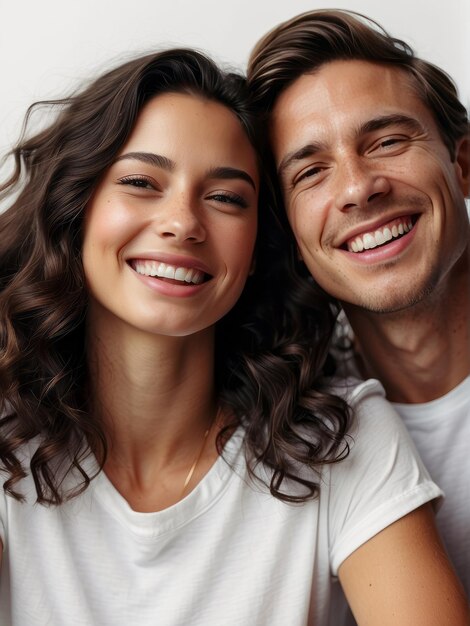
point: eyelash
(390, 142)
(311, 171)
(138, 181)
(229, 198)
(142, 182)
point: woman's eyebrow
(227, 173)
(150, 158)
(165, 163)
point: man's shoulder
(454, 405)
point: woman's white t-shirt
(228, 554)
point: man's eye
(310, 172)
(391, 142)
(388, 142)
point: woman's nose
(181, 220)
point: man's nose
(358, 183)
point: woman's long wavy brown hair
(269, 357)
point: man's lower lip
(385, 252)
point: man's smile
(380, 236)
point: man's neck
(423, 352)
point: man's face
(375, 202)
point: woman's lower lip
(386, 252)
(165, 287)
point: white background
(47, 47)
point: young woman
(170, 455)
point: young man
(371, 147)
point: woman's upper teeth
(164, 270)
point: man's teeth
(380, 236)
(163, 270)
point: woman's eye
(140, 182)
(229, 198)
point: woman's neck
(155, 397)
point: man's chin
(390, 303)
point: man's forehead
(344, 95)
(342, 82)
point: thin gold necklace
(192, 469)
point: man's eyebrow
(227, 173)
(297, 155)
(149, 157)
(378, 123)
(385, 121)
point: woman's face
(170, 231)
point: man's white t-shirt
(441, 432)
(229, 553)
